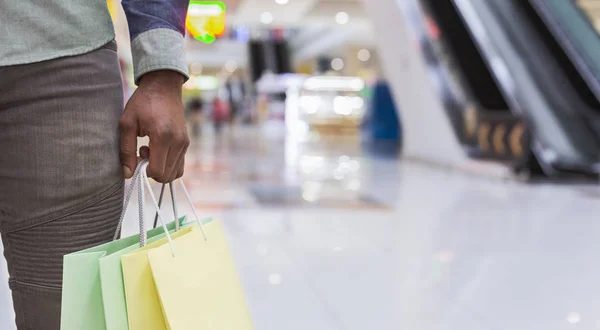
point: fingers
(144, 152)
(179, 168)
(167, 151)
(177, 171)
(175, 154)
(159, 149)
(128, 128)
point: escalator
(520, 80)
(478, 111)
(540, 80)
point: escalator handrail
(563, 32)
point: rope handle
(144, 176)
(141, 175)
(160, 199)
(139, 179)
(189, 200)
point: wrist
(161, 80)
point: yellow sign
(484, 133)
(499, 133)
(515, 139)
(471, 121)
(206, 20)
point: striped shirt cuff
(158, 49)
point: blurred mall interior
(399, 164)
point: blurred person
(220, 114)
(195, 107)
(66, 139)
(233, 99)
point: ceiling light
(282, 2)
(206, 83)
(196, 68)
(337, 64)
(364, 55)
(329, 83)
(342, 18)
(201, 9)
(266, 17)
(231, 66)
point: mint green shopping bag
(111, 278)
(93, 296)
(92, 274)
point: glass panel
(577, 19)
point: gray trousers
(61, 185)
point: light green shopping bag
(92, 274)
(93, 297)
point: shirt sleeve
(157, 30)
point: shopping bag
(208, 294)
(143, 307)
(198, 286)
(111, 278)
(82, 303)
(111, 274)
(92, 296)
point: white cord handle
(134, 181)
(144, 177)
(160, 199)
(140, 175)
(189, 199)
(140, 178)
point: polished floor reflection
(327, 236)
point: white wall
(427, 132)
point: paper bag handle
(144, 177)
(140, 178)
(160, 199)
(190, 202)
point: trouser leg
(61, 186)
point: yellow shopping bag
(143, 306)
(198, 286)
(185, 281)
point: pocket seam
(34, 285)
(62, 213)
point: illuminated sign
(206, 20)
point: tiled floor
(327, 237)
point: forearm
(157, 29)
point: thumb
(128, 128)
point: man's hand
(155, 110)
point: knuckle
(165, 132)
(184, 141)
(124, 155)
(153, 173)
(125, 124)
(124, 158)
